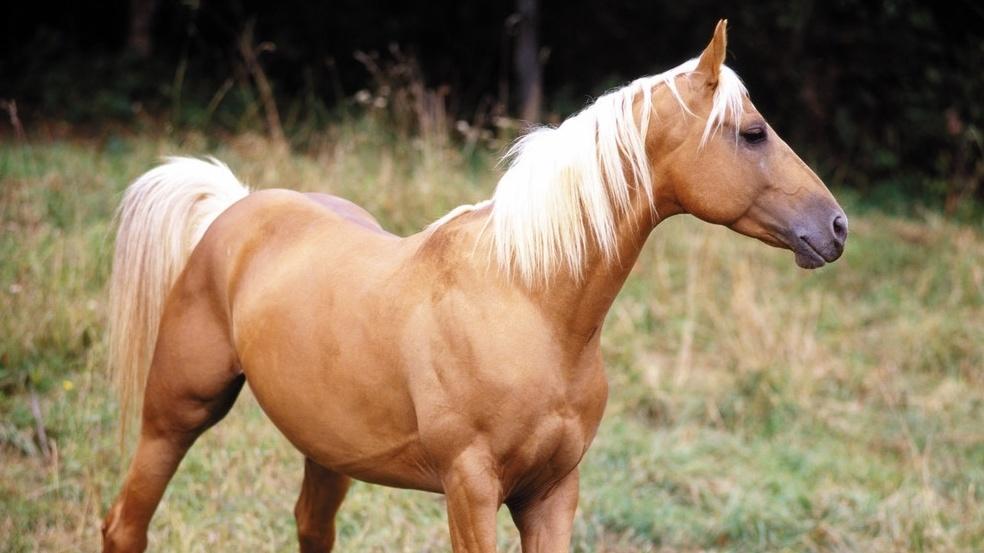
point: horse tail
(163, 215)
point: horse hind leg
(192, 384)
(322, 493)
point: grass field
(754, 406)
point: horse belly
(336, 394)
(343, 425)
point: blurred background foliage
(882, 96)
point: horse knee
(124, 542)
(313, 536)
(118, 538)
(315, 542)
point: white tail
(164, 214)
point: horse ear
(712, 58)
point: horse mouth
(806, 255)
(809, 256)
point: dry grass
(755, 406)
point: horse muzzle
(819, 239)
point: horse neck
(578, 306)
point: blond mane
(566, 186)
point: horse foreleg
(322, 493)
(474, 497)
(545, 522)
(191, 385)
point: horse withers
(464, 359)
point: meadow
(754, 406)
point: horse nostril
(840, 228)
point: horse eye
(754, 135)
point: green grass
(754, 406)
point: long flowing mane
(566, 186)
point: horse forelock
(565, 187)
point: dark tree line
(883, 95)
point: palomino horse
(463, 359)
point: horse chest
(551, 447)
(532, 431)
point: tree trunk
(529, 72)
(138, 38)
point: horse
(461, 360)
